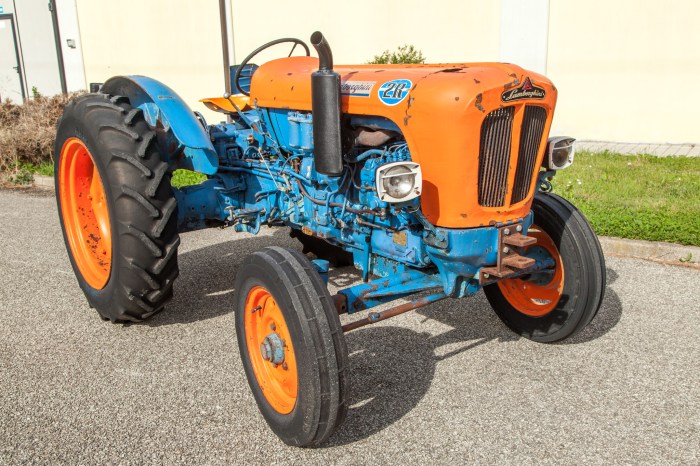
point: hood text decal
(527, 91)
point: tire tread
(134, 175)
(590, 261)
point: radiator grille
(530, 138)
(494, 157)
(495, 153)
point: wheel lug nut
(506, 231)
(506, 250)
(519, 228)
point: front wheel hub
(538, 294)
(272, 349)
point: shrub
(28, 131)
(405, 54)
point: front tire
(117, 210)
(549, 307)
(291, 345)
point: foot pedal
(519, 240)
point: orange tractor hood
(440, 116)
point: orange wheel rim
(270, 350)
(532, 298)
(85, 213)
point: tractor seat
(222, 105)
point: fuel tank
(478, 130)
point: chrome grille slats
(494, 156)
(531, 131)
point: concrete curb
(668, 253)
(43, 182)
(657, 251)
(634, 148)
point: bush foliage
(405, 54)
(28, 131)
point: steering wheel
(237, 76)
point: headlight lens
(399, 181)
(560, 153)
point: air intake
(494, 157)
(530, 139)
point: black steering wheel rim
(241, 66)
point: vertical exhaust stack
(325, 105)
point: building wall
(524, 30)
(456, 30)
(72, 56)
(37, 45)
(176, 42)
(626, 70)
(623, 68)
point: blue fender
(176, 125)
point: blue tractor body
(261, 172)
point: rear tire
(112, 143)
(280, 297)
(580, 274)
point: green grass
(638, 197)
(43, 168)
(186, 178)
(23, 173)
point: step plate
(516, 261)
(519, 240)
(488, 272)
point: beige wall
(626, 70)
(455, 30)
(176, 42)
(72, 56)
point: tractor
(433, 181)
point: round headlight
(398, 181)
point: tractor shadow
(204, 289)
(607, 318)
(391, 368)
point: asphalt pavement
(446, 384)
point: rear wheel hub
(85, 213)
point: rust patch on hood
(477, 103)
(511, 84)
